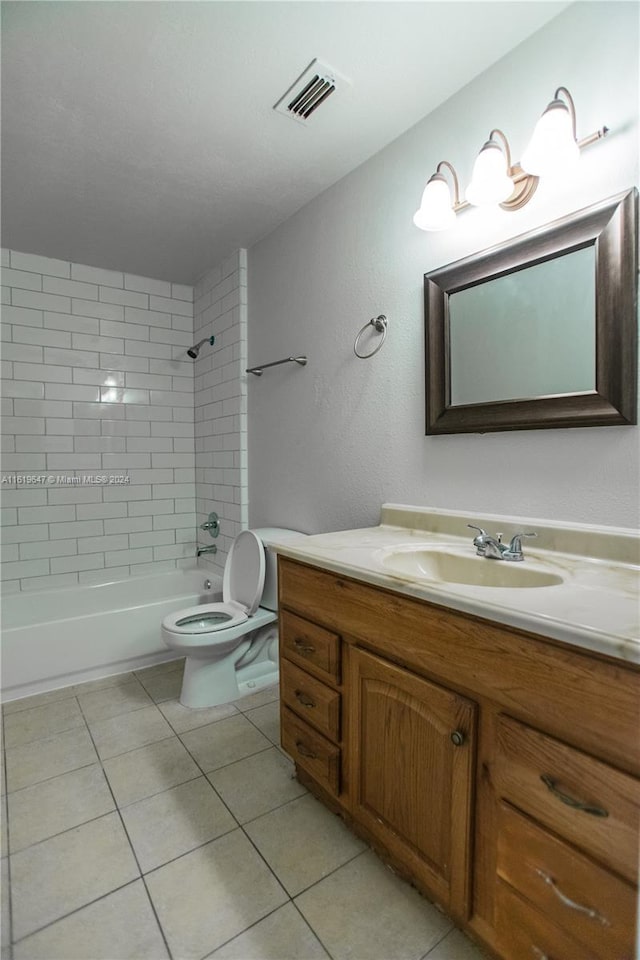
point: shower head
(195, 350)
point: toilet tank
(270, 591)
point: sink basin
(450, 566)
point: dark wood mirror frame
(612, 227)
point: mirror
(537, 332)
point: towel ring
(380, 324)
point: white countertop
(596, 606)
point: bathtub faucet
(212, 549)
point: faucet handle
(479, 541)
(514, 551)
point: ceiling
(140, 136)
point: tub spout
(211, 549)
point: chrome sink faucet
(494, 549)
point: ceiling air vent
(313, 88)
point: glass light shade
(490, 182)
(436, 210)
(552, 149)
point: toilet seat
(242, 586)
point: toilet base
(213, 684)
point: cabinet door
(412, 755)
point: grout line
(76, 910)
(250, 927)
(60, 833)
(133, 852)
(36, 783)
(314, 932)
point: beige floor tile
(127, 732)
(167, 666)
(113, 701)
(185, 718)
(115, 680)
(121, 925)
(5, 923)
(456, 946)
(37, 700)
(163, 686)
(3, 775)
(164, 827)
(257, 784)
(267, 720)
(212, 894)
(224, 742)
(365, 911)
(48, 758)
(303, 842)
(283, 935)
(66, 872)
(45, 809)
(40, 722)
(149, 770)
(253, 700)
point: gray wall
(330, 442)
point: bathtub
(53, 638)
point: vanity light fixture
(553, 150)
(490, 181)
(437, 212)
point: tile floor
(137, 829)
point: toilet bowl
(231, 647)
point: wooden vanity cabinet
(497, 771)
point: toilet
(231, 648)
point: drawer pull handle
(304, 699)
(588, 911)
(550, 784)
(303, 646)
(304, 751)
(457, 738)
(539, 954)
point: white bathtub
(53, 638)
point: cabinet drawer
(526, 934)
(586, 801)
(311, 699)
(311, 750)
(590, 904)
(312, 647)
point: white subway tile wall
(96, 384)
(220, 308)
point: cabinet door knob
(303, 646)
(551, 785)
(304, 699)
(457, 738)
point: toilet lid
(244, 570)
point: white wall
(95, 383)
(330, 442)
(220, 308)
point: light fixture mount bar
(593, 137)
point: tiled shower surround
(95, 384)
